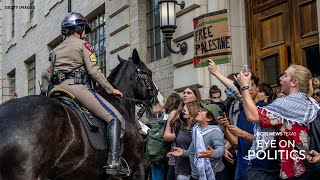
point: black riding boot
(114, 166)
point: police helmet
(74, 22)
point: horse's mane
(116, 76)
(114, 72)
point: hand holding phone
(223, 120)
(301, 149)
(222, 114)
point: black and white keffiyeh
(203, 165)
(295, 108)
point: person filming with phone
(241, 135)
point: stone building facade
(1, 52)
(28, 36)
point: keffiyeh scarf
(203, 165)
(295, 108)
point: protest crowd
(257, 132)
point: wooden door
(281, 32)
(306, 34)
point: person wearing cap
(73, 63)
(207, 146)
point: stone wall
(126, 29)
(1, 51)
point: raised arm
(248, 104)
(169, 136)
(224, 80)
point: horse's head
(134, 79)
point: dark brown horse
(41, 139)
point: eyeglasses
(316, 94)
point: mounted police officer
(74, 62)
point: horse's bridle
(144, 103)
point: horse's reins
(140, 102)
(143, 103)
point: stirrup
(128, 172)
(122, 172)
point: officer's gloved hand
(44, 92)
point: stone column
(138, 26)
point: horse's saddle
(94, 127)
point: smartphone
(221, 114)
(300, 147)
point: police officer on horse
(73, 63)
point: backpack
(314, 145)
(156, 148)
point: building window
(312, 59)
(97, 38)
(31, 77)
(156, 47)
(271, 62)
(8, 86)
(12, 25)
(31, 9)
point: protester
(159, 170)
(316, 90)
(205, 163)
(184, 137)
(215, 94)
(277, 94)
(241, 136)
(277, 91)
(291, 114)
(265, 92)
(232, 103)
(190, 94)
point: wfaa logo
(296, 151)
